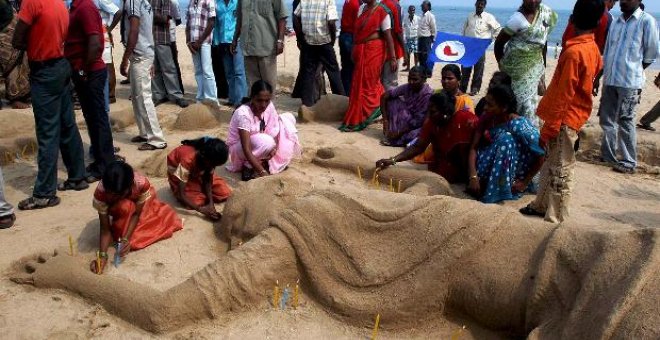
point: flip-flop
(385, 142)
(529, 211)
(32, 203)
(149, 147)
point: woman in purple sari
(404, 109)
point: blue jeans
(347, 65)
(206, 88)
(234, 73)
(617, 119)
(56, 127)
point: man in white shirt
(426, 32)
(110, 15)
(481, 25)
(410, 28)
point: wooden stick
(375, 332)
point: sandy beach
(601, 198)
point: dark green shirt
(259, 29)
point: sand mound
(156, 164)
(120, 120)
(648, 151)
(330, 108)
(17, 136)
(195, 117)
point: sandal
(7, 222)
(529, 211)
(73, 185)
(385, 142)
(247, 174)
(149, 147)
(138, 139)
(32, 203)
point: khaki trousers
(143, 105)
(556, 180)
(261, 68)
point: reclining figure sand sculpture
(359, 252)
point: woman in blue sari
(505, 153)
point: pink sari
(279, 132)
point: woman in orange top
(190, 170)
(130, 212)
(372, 43)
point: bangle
(474, 177)
(280, 41)
(263, 172)
(393, 159)
(124, 240)
(103, 254)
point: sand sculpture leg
(235, 282)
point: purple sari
(406, 111)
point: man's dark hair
(587, 14)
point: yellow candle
(399, 187)
(375, 176)
(276, 294)
(359, 172)
(295, 293)
(457, 333)
(373, 335)
(71, 245)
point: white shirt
(427, 26)
(174, 9)
(483, 26)
(385, 25)
(410, 27)
(107, 9)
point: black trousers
(424, 45)
(476, 79)
(219, 71)
(319, 83)
(175, 57)
(92, 103)
(320, 55)
(347, 65)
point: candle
(276, 293)
(373, 335)
(399, 187)
(285, 297)
(295, 294)
(71, 245)
(118, 253)
(359, 172)
(457, 333)
(375, 176)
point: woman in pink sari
(261, 142)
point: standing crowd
(521, 137)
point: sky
(651, 5)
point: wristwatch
(81, 73)
(280, 41)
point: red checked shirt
(84, 22)
(199, 13)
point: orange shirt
(568, 100)
(49, 23)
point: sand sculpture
(330, 108)
(17, 136)
(195, 117)
(359, 252)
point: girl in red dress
(130, 211)
(190, 170)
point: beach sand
(601, 198)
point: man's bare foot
(19, 105)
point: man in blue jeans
(84, 50)
(223, 34)
(41, 29)
(631, 47)
(201, 20)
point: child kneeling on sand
(565, 108)
(190, 170)
(130, 212)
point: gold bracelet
(103, 254)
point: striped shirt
(314, 16)
(199, 13)
(629, 45)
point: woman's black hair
(118, 177)
(504, 96)
(587, 14)
(211, 150)
(502, 78)
(257, 87)
(444, 102)
(453, 68)
(419, 70)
